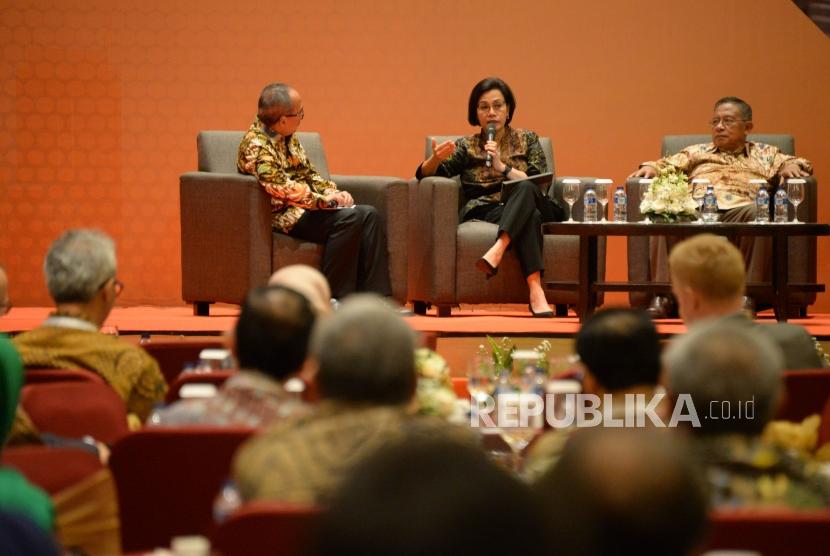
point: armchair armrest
(634, 191)
(433, 231)
(390, 196)
(224, 217)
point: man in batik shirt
(308, 206)
(729, 162)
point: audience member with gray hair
(732, 379)
(80, 270)
(366, 377)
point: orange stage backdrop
(100, 104)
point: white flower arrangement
(669, 198)
(435, 394)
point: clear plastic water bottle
(620, 205)
(781, 211)
(589, 200)
(761, 201)
(710, 205)
(226, 502)
(503, 383)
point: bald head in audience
(308, 281)
(623, 491)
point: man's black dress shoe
(542, 315)
(485, 267)
(661, 307)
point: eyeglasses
(117, 285)
(496, 106)
(727, 122)
(5, 308)
(300, 114)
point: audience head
(607, 334)
(623, 491)
(308, 281)
(708, 277)
(80, 271)
(5, 302)
(273, 331)
(365, 353)
(431, 496)
(731, 123)
(505, 95)
(725, 364)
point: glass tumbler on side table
(602, 186)
(570, 193)
(795, 193)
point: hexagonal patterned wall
(100, 101)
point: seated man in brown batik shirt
(729, 162)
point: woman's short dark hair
(488, 84)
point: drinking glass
(480, 376)
(517, 430)
(570, 193)
(645, 184)
(795, 193)
(601, 187)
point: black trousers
(355, 256)
(521, 218)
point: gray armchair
(228, 245)
(443, 251)
(802, 250)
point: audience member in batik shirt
(81, 277)
(270, 343)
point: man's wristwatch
(507, 169)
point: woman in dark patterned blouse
(514, 154)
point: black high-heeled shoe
(484, 266)
(542, 315)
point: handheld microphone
(491, 134)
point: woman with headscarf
(17, 495)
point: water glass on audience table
(602, 186)
(570, 193)
(480, 377)
(795, 193)
(645, 185)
